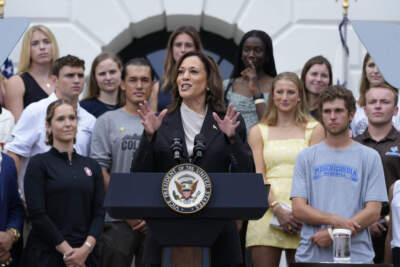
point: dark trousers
(396, 257)
(118, 244)
(379, 247)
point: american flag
(7, 69)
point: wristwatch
(14, 232)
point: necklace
(43, 81)
(46, 82)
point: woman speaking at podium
(197, 107)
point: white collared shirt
(28, 137)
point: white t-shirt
(395, 206)
(360, 121)
(28, 137)
(7, 123)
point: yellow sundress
(280, 157)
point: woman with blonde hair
(104, 92)
(33, 81)
(183, 40)
(285, 129)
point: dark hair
(215, 90)
(333, 92)
(311, 62)
(71, 61)
(50, 114)
(137, 61)
(169, 62)
(269, 61)
(94, 90)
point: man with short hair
(116, 136)
(381, 106)
(337, 183)
(28, 137)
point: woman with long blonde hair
(285, 129)
(33, 81)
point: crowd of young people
(294, 130)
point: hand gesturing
(229, 124)
(249, 74)
(151, 122)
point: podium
(138, 195)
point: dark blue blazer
(220, 155)
(11, 206)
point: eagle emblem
(186, 188)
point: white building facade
(300, 29)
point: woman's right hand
(287, 221)
(249, 74)
(151, 122)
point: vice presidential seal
(186, 188)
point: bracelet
(14, 232)
(90, 246)
(330, 233)
(259, 101)
(274, 204)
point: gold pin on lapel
(215, 127)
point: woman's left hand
(78, 256)
(230, 122)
